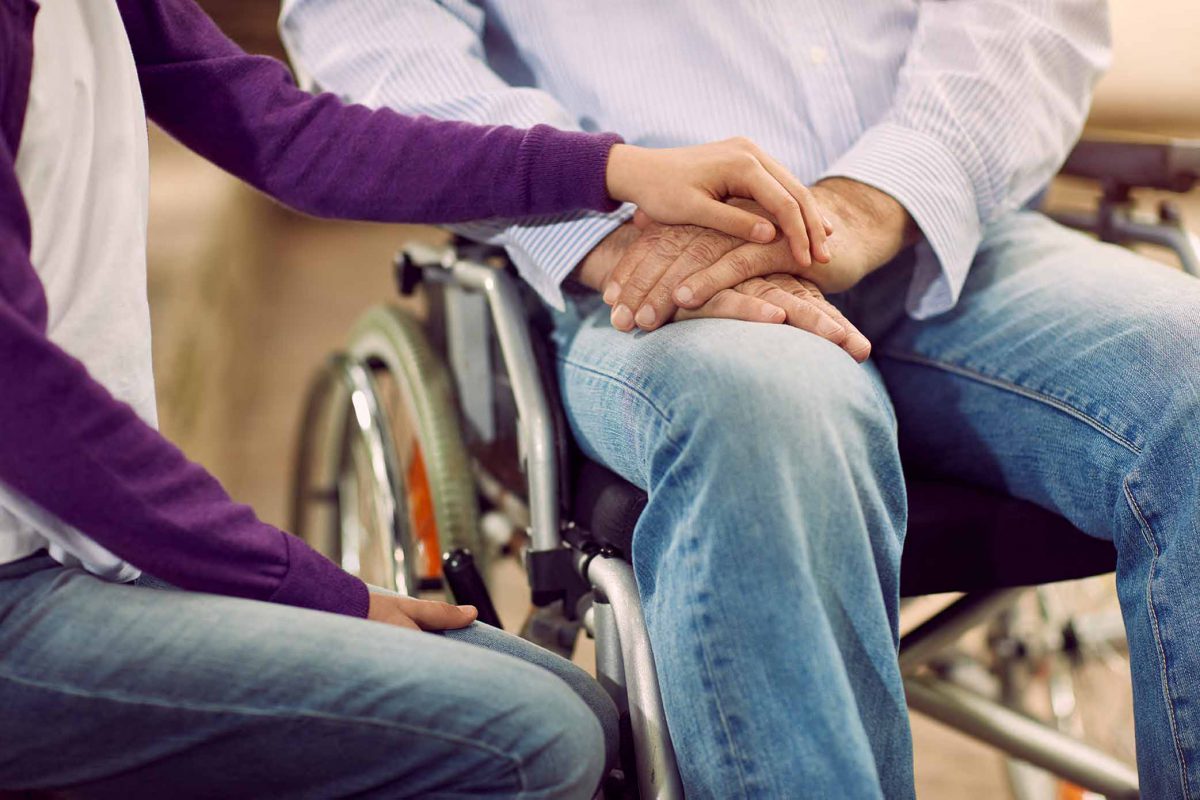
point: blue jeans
(125, 691)
(767, 557)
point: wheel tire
(388, 339)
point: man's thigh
(1062, 365)
(101, 683)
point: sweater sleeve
(76, 452)
(245, 114)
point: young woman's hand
(688, 185)
(422, 615)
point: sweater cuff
(565, 169)
(313, 581)
(924, 177)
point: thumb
(432, 615)
(642, 220)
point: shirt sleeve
(422, 57)
(991, 98)
(322, 156)
(72, 450)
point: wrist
(872, 217)
(864, 206)
(594, 269)
(624, 166)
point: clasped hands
(651, 274)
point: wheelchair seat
(960, 538)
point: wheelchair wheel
(383, 482)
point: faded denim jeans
(768, 555)
(121, 691)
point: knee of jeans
(572, 762)
(766, 387)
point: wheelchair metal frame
(624, 660)
(479, 297)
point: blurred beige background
(248, 297)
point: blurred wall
(1155, 80)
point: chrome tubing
(944, 628)
(372, 427)
(1021, 737)
(610, 665)
(1176, 238)
(658, 774)
(535, 423)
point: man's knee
(774, 388)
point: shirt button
(818, 55)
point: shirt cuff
(313, 581)
(924, 177)
(546, 254)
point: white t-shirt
(84, 170)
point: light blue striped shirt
(960, 109)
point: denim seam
(273, 712)
(729, 740)
(1023, 391)
(1148, 535)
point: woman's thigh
(129, 691)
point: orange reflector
(420, 514)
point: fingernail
(684, 295)
(762, 232)
(823, 251)
(827, 327)
(622, 317)
(467, 608)
(612, 292)
(828, 224)
(645, 317)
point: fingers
(721, 216)
(805, 293)
(813, 220)
(802, 312)
(658, 307)
(736, 266)
(641, 295)
(431, 615)
(641, 220)
(755, 174)
(731, 304)
(789, 208)
(640, 268)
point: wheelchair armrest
(1128, 161)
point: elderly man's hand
(870, 228)
(673, 267)
(777, 299)
(804, 306)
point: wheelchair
(426, 446)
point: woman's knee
(570, 761)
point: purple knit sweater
(69, 446)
